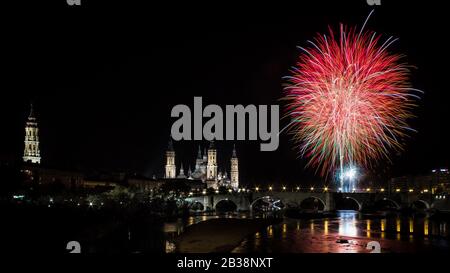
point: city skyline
(106, 107)
(204, 136)
(175, 168)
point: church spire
(170, 160)
(32, 152)
(234, 151)
(31, 115)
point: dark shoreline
(220, 235)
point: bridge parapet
(244, 201)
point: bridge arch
(197, 206)
(358, 203)
(225, 205)
(423, 202)
(314, 199)
(268, 199)
(390, 201)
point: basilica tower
(211, 167)
(32, 152)
(234, 170)
(170, 161)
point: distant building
(438, 181)
(206, 168)
(37, 175)
(170, 161)
(143, 183)
(234, 170)
(441, 180)
(211, 166)
(103, 181)
(200, 166)
(32, 152)
(205, 175)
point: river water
(348, 232)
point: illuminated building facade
(437, 181)
(234, 170)
(32, 153)
(211, 167)
(170, 161)
(206, 168)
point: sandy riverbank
(219, 235)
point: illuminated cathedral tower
(211, 167)
(170, 161)
(234, 170)
(31, 152)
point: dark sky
(105, 76)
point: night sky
(104, 78)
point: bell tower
(234, 170)
(170, 161)
(32, 152)
(211, 167)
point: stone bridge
(245, 201)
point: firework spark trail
(349, 100)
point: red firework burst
(349, 100)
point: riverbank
(219, 235)
(98, 230)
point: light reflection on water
(347, 224)
(351, 229)
(350, 232)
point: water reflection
(270, 232)
(398, 227)
(348, 232)
(347, 224)
(284, 226)
(383, 228)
